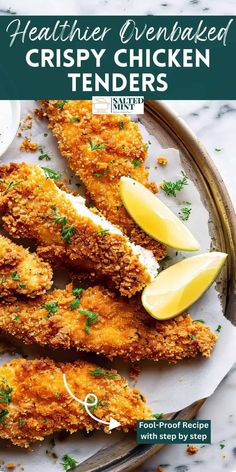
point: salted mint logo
(114, 104)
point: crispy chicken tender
(99, 321)
(22, 272)
(39, 403)
(66, 230)
(101, 149)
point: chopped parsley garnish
(184, 213)
(45, 157)
(52, 307)
(45, 134)
(21, 421)
(101, 372)
(101, 174)
(3, 415)
(191, 336)
(77, 291)
(67, 232)
(73, 120)
(15, 276)
(62, 103)
(158, 416)
(68, 462)
(222, 445)
(51, 173)
(5, 393)
(60, 220)
(94, 146)
(75, 304)
(92, 318)
(199, 321)
(218, 149)
(218, 329)
(92, 407)
(22, 286)
(136, 163)
(103, 232)
(121, 125)
(171, 188)
(17, 317)
(13, 184)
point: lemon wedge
(154, 217)
(179, 286)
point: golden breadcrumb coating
(119, 327)
(40, 404)
(22, 272)
(101, 149)
(33, 206)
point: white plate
(9, 122)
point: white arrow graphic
(91, 400)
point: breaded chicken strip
(21, 271)
(35, 402)
(101, 149)
(97, 320)
(66, 230)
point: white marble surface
(215, 124)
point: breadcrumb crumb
(162, 161)
(28, 146)
(191, 450)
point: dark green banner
(174, 432)
(158, 57)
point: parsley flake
(68, 462)
(101, 372)
(103, 232)
(52, 173)
(218, 329)
(75, 304)
(3, 415)
(184, 213)
(121, 125)
(92, 318)
(136, 163)
(94, 146)
(13, 184)
(171, 188)
(77, 291)
(52, 307)
(5, 394)
(158, 416)
(73, 120)
(67, 232)
(15, 276)
(45, 156)
(191, 336)
(61, 104)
